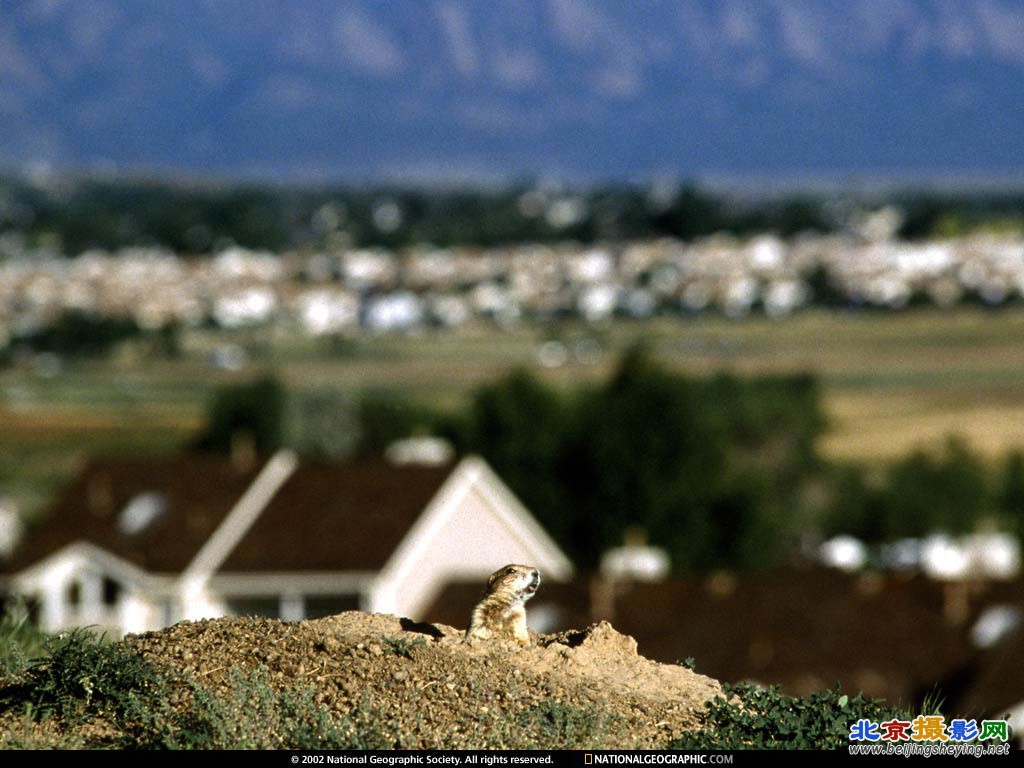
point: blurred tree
(82, 334)
(92, 213)
(856, 506)
(801, 214)
(692, 213)
(322, 423)
(709, 469)
(644, 452)
(166, 342)
(250, 412)
(924, 494)
(824, 291)
(519, 425)
(1011, 492)
(384, 416)
(751, 527)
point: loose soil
(429, 689)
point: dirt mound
(426, 688)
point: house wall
(291, 606)
(288, 596)
(71, 592)
(472, 543)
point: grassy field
(892, 381)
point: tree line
(721, 471)
(72, 216)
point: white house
(138, 545)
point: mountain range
(483, 90)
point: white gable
(472, 526)
(57, 567)
(87, 565)
(470, 529)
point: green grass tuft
(127, 702)
(553, 725)
(400, 646)
(20, 641)
(748, 717)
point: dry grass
(869, 427)
(891, 381)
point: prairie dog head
(502, 612)
(516, 583)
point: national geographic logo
(673, 758)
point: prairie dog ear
(493, 578)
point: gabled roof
(198, 490)
(337, 517)
(326, 517)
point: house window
(318, 606)
(266, 607)
(73, 596)
(111, 591)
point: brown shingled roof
(326, 516)
(886, 635)
(994, 680)
(337, 517)
(200, 490)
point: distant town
(378, 290)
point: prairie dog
(502, 612)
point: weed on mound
(749, 717)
